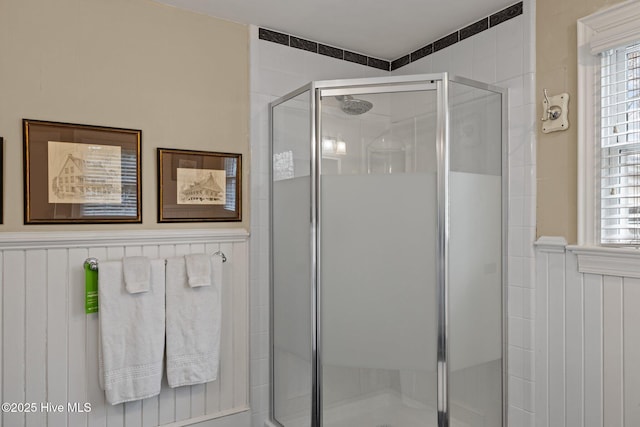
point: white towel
(137, 271)
(193, 325)
(198, 270)
(131, 333)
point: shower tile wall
(502, 55)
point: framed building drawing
(195, 186)
(81, 173)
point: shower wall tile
(516, 90)
(259, 372)
(510, 60)
(516, 392)
(529, 366)
(279, 81)
(461, 63)
(441, 61)
(528, 396)
(530, 181)
(529, 86)
(529, 44)
(519, 125)
(515, 271)
(259, 345)
(516, 359)
(516, 331)
(422, 66)
(517, 153)
(516, 241)
(516, 180)
(528, 304)
(530, 154)
(528, 330)
(516, 210)
(529, 212)
(515, 300)
(521, 418)
(484, 56)
(259, 398)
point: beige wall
(556, 69)
(182, 78)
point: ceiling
(385, 29)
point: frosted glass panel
(378, 262)
(475, 257)
(291, 249)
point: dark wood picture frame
(199, 186)
(81, 174)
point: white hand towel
(193, 325)
(131, 333)
(136, 273)
(198, 270)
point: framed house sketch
(196, 186)
(81, 173)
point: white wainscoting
(50, 346)
(587, 336)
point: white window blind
(620, 146)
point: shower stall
(388, 254)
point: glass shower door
(377, 264)
(291, 262)
(475, 256)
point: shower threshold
(383, 409)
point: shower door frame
(420, 82)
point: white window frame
(600, 31)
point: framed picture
(196, 186)
(81, 174)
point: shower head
(353, 106)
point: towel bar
(92, 262)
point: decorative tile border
(464, 33)
(315, 47)
(451, 39)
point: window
(619, 145)
(609, 126)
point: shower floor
(380, 410)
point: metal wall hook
(555, 112)
(224, 257)
(552, 112)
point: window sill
(609, 261)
